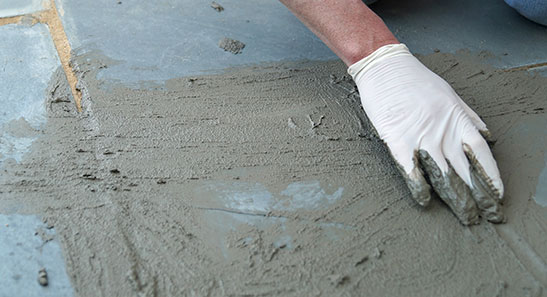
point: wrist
(356, 52)
(359, 68)
(373, 35)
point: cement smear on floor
(268, 181)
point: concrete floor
(184, 40)
(151, 42)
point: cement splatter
(42, 277)
(160, 225)
(217, 7)
(231, 45)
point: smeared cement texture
(269, 181)
(231, 45)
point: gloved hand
(427, 126)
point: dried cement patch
(231, 45)
(206, 187)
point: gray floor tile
(26, 247)
(27, 62)
(10, 8)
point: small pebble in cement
(217, 6)
(338, 280)
(231, 45)
(42, 277)
(377, 253)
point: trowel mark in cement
(541, 189)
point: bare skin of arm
(348, 27)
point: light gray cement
(269, 181)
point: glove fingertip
(418, 186)
(451, 189)
(416, 183)
(420, 189)
(498, 185)
(491, 183)
(487, 203)
(485, 133)
(497, 218)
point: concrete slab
(166, 39)
(508, 39)
(27, 246)
(10, 8)
(27, 62)
(183, 41)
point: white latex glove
(427, 126)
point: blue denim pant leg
(535, 10)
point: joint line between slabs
(51, 18)
(10, 20)
(527, 67)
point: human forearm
(348, 27)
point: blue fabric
(535, 10)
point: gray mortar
(134, 187)
(231, 45)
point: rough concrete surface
(268, 181)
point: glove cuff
(386, 51)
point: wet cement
(269, 181)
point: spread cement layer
(270, 181)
